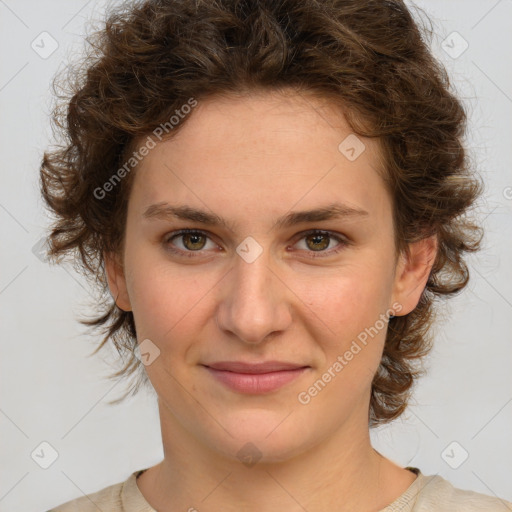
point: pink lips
(255, 378)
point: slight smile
(255, 378)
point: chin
(260, 451)
(261, 436)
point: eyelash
(343, 242)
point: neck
(341, 473)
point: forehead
(263, 150)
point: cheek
(345, 302)
(164, 299)
(351, 307)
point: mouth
(256, 378)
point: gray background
(52, 392)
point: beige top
(425, 494)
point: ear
(117, 281)
(412, 272)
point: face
(254, 281)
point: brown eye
(187, 241)
(318, 241)
(193, 241)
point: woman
(272, 194)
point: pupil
(194, 239)
(316, 240)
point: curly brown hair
(369, 56)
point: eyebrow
(165, 211)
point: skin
(251, 159)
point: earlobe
(117, 281)
(413, 271)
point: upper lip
(264, 367)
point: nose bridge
(255, 304)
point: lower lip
(256, 383)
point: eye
(193, 240)
(317, 241)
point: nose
(255, 301)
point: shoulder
(105, 499)
(110, 498)
(440, 495)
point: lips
(254, 368)
(255, 378)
